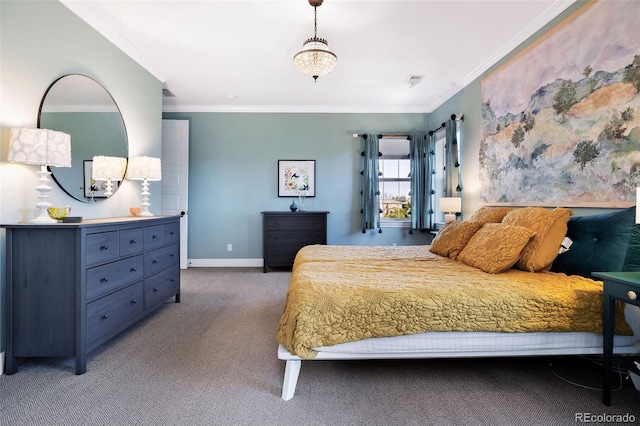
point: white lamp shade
(141, 168)
(40, 146)
(104, 168)
(451, 204)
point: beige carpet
(211, 360)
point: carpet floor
(211, 360)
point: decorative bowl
(58, 213)
(135, 211)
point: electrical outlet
(229, 247)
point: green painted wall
(233, 161)
(39, 42)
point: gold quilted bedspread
(339, 294)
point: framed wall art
(296, 177)
(561, 120)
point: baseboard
(225, 263)
(1, 363)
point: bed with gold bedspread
(356, 302)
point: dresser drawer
(161, 286)
(293, 222)
(102, 247)
(107, 278)
(171, 232)
(301, 238)
(281, 255)
(110, 312)
(162, 258)
(153, 236)
(131, 241)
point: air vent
(414, 80)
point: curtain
(370, 183)
(452, 184)
(421, 154)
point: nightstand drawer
(302, 238)
(625, 292)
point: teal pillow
(606, 242)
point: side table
(624, 286)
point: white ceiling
(237, 55)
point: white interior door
(175, 177)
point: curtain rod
(361, 135)
(453, 117)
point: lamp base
(43, 188)
(449, 217)
(144, 205)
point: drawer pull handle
(104, 280)
(154, 261)
(172, 255)
(105, 247)
(173, 280)
(133, 242)
(172, 233)
(155, 237)
(632, 295)
(155, 290)
(105, 317)
(134, 269)
(134, 301)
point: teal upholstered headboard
(607, 242)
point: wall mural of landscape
(561, 121)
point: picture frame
(93, 188)
(296, 177)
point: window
(394, 182)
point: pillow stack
(496, 239)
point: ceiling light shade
(46, 148)
(315, 58)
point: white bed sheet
(486, 341)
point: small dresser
(284, 233)
(73, 286)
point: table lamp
(450, 206)
(108, 169)
(46, 148)
(145, 169)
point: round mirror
(80, 106)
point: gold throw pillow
(496, 247)
(453, 237)
(550, 227)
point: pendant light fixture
(315, 58)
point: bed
(492, 286)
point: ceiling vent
(166, 93)
(413, 80)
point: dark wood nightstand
(624, 286)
